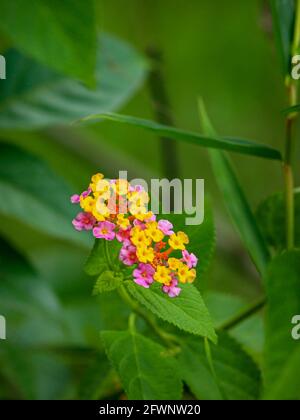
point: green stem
(243, 315)
(169, 339)
(107, 256)
(163, 115)
(288, 171)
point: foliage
(203, 344)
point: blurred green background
(221, 51)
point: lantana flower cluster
(116, 210)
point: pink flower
(128, 254)
(75, 199)
(190, 259)
(144, 275)
(84, 221)
(105, 230)
(172, 290)
(166, 227)
(86, 193)
(137, 222)
(123, 235)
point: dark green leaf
(237, 376)
(187, 311)
(59, 34)
(35, 195)
(13, 263)
(283, 291)
(106, 282)
(283, 12)
(34, 97)
(271, 217)
(237, 203)
(215, 142)
(146, 370)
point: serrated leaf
(35, 195)
(36, 97)
(209, 141)
(106, 282)
(187, 311)
(237, 376)
(236, 202)
(96, 262)
(60, 34)
(283, 293)
(202, 238)
(147, 372)
(271, 217)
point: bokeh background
(223, 52)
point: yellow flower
(87, 204)
(94, 181)
(139, 198)
(162, 275)
(122, 221)
(152, 230)
(174, 263)
(145, 254)
(101, 208)
(178, 241)
(102, 189)
(143, 215)
(139, 237)
(185, 275)
(121, 186)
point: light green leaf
(60, 34)
(146, 370)
(283, 291)
(210, 141)
(96, 262)
(271, 217)
(106, 282)
(237, 376)
(283, 12)
(34, 96)
(202, 238)
(237, 203)
(187, 311)
(35, 195)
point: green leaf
(283, 292)
(283, 12)
(35, 97)
(237, 203)
(210, 141)
(291, 110)
(13, 263)
(202, 238)
(146, 370)
(60, 34)
(288, 384)
(96, 262)
(35, 195)
(237, 376)
(271, 217)
(106, 282)
(187, 311)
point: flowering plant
(116, 210)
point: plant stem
(288, 171)
(161, 106)
(169, 339)
(243, 315)
(107, 256)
